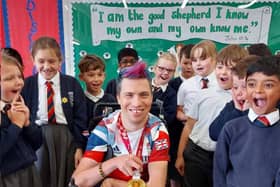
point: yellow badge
(64, 100)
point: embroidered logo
(64, 100)
(71, 98)
(161, 144)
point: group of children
(211, 112)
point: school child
(239, 105)
(177, 127)
(247, 152)
(163, 94)
(57, 104)
(92, 72)
(203, 56)
(259, 49)
(196, 149)
(19, 139)
(13, 53)
(185, 64)
(126, 57)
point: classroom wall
(71, 24)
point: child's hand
(78, 156)
(19, 113)
(180, 165)
(22, 107)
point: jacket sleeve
(80, 117)
(33, 134)
(8, 138)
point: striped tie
(155, 89)
(262, 121)
(204, 83)
(50, 95)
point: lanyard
(126, 141)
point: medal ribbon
(126, 141)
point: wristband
(100, 171)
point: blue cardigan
(247, 155)
(18, 145)
(74, 110)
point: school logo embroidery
(161, 144)
(64, 100)
(71, 98)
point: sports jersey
(155, 144)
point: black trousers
(198, 166)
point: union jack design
(161, 144)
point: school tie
(204, 82)
(262, 121)
(155, 89)
(7, 107)
(50, 95)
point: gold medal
(136, 181)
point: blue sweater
(247, 155)
(228, 113)
(18, 145)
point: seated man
(139, 140)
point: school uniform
(198, 153)
(17, 153)
(248, 154)
(95, 115)
(166, 97)
(228, 113)
(111, 88)
(176, 82)
(56, 156)
(188, 90)
(175, 133)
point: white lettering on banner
(219, 23)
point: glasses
(127, 62)
(162, 69)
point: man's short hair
(127, 52)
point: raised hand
(19, 112)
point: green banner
(104, 29)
